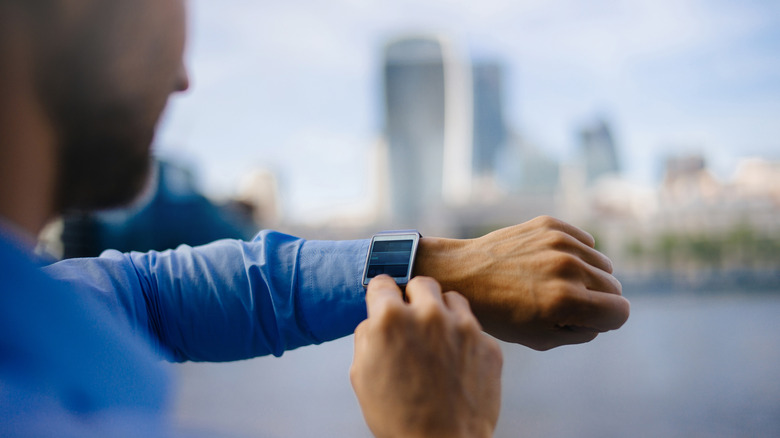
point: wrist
(445, 260)
(459, 265)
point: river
(683, 366)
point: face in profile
(105, 84)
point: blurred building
(490, 131)
(428, 126)
(757, 178)
(694, 231)
(455, 166)
(688, 180)
(598, 150)
(258, 192)
(523, 167)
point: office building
(428, 126)
(490, 131)
(598, 151)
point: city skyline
(304, 82)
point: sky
(295, 86)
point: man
(82, 85)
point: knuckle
(426, 282)
(468, 326)
(558, 239)
(564, 264)
(389, 315)
(454, 298)
(560, 297)
(454, 295)
(548, 221)
(383, 282)
(430, 314)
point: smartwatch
(392, 253)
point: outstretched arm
(541, 283)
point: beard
(104, 157)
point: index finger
(381, 292)
(424, 291)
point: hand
(424, 368)
(541, 283)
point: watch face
(391, 255)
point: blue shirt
(80, 340)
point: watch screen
(390, 257)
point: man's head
(102, 71)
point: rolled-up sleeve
(230, 299)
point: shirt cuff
(332, 298)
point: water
(681, 367)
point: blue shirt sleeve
(230, 299)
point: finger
(360, 331)
(359, 351)
(597, 311)
(600, 281)
(572, 245)
(360, 336)
(578, 233)
(460, 307)
(570, 267)
(424, 291)
(595, 258)
(381, 292)
(456, 302)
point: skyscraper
(490, 132)
(428, 125)
(598, 150)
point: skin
(423, 368)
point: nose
(182, 78)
